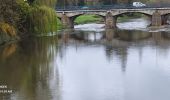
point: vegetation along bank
(21, 18)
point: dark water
(108, 65)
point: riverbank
(84, 19)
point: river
(89, 63)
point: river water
(88, 64)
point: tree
(30, 1)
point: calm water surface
(88, 65)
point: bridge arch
(69, 21)
(74, 18)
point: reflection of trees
(117, 42)
(29, 70)
(118, 52)
(30, 67)
(8, 51)
(161, 40)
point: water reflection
(134, 35)
(29, 70)
(88, 65)
(127, 49)
(110, 34)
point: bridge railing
(109, 7)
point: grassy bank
(84, 19)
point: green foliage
(39, 18)
(43, 20)
(33, 16)
(24, 10)
(87, 19)
(59, 24)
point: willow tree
(42, 16)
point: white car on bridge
(138, 4)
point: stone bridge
(158, 16)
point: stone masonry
(158, 16)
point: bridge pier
(156, 19)
(67, 21)
(110, 21)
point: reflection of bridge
(115, 43)
(114, 38)
(158, 16)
